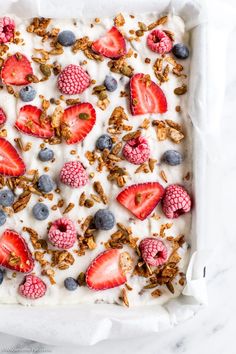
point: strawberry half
(77, 122)
(11, 163)
(28, 122)
(108, 270)
(141, 199)
(14, 252)
(3, 117)
(15, 70)
(146, 96)
(111, 45)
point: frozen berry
(45, 184)
(172, 157)
(159, 42)
(45, 155)
(7, 27)
(180, 51)
(32, 287)
(104, 142)
(3, 117)
(6, 198)
(1, 276)
(110, 83)
(136, 151)
(176, 201)
(71, 284)
(104, 219)
(27, 93)
(62, 233)
(66, 38)
(3, 217)
(40, 211)
(74, 174)
(73, 80)
(153, 251)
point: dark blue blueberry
(45, 155)
(27, 93)
(40, 211)
(172, 157)
(45, 184)
(6, 197)
(70, 284)
(110, 83)
(3, 217)
(66, 38)
(104, 219)
(1, 276)
(180, 51)
(104, 142)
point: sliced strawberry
(111, 44)
(15, 70)
(3, 117)
(141, 199)
(14, 252)
(77, 121)
(146, 96)
(11, 164)
(28, 122)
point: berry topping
(40, 211)
(176, 201)
(141, 199)
(45, 184)
(32, 287)
(11, 163)
(172, 157)
(74, 174)
(77, 122)
(70, 284)
(104, 219)
(110, 83)
(136, 150)
(111, 44)
(159, 42)
(15, 70)
(153, 251)
(27, 93)
(180, 51)
(66, 38)
(1, 276)
(45, 155)
(7, 27)
(108, 270)
(3, 217)
(73, 80)
(3, 117)
(62, 233)
(14, 252)
(146, 96)
(104, 142)
(6, 197)
(29, 122)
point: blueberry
(40, 211)
(1, 276)
(45, 155)
(110, 83)
(180, 51)
(3, 217)
(6, 197)
(172, 157)
(70, 284)
(45, 184)
(104, 219)
(104, 142)
(27, 94)
(66, 38)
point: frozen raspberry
(7, 27)
(137, 150)
(176, 201)
(62, 233)
(159, 42)
(153, 251)
(74, 174)
(73, 80)
(32, 287)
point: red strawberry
(28, 122)
(3, 116)
(111, 45)
(15, 70)
(11, 163)
(14, 252)
(141, 199)
(146, 96)
(108, 270)
(77, 121)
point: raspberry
(7, 27)
(153, 251)
(159, 42)
(137, 150)
(73, 174)
(73, 80)
(32, 287)
(62, 233)
(176, 201)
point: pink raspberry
(176, 201)
(153, 251)
(7, 27)
(32, 287)
(159, 42)
(73, 80)
(137, 150)
(62, 233)
(74, 174)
